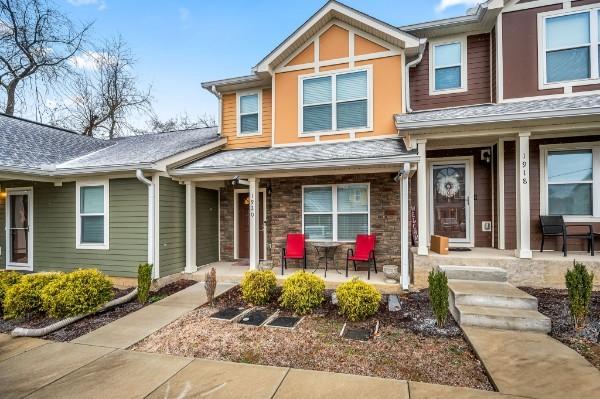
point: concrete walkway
(533, 364)
(134, 327)
(34, 368)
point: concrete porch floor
(232, 272)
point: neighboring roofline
(50, 126)
(498, 118)
(312, 164)
(441, 23)
(333, 5)
(231, 81)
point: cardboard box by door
(439, 244)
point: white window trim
(595, 147)
(239, 114)
(14, 265)
(464, 84)
(334, 212)
(333, 74)
(593, 10)
(78, 186)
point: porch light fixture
(269, 190)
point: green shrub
(24, 297)
(357, 300)
(144, 282)
(438, 296)
(7, 279)
(258, 286)
(80, 292)
(579, 284)
(302, 292)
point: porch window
(336, 101)
(92, 215)
(336, 212)
(249, 113)
(448, 66)
(570, 182)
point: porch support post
(523, 198)
(254, 222)
(190, 227)
(404, 251)
(422, 198)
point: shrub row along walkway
(533, 364)
(35, 368)
(128, 330)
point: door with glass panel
(450, 197)
(19, 237)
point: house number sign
(251, 206)
(524, 168)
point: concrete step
(491, 294)
(501, 318)
(477, 273)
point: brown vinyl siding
(478, 79)
(171, 226)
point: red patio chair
(364, 252)
(294, 249)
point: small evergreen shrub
(80, 292)
(302, 292)
(438, 296)
(579, 284)
(210, 284)
(7, 279)
(258, 286)
(144, 282)
(357, 300)
(24, 297)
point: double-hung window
(249, 119)
(92, 215)
(336, 212)
(570, 47)
(448, 67)
(336, 101)
(571, 174)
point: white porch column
(190, 227)
(523, 199)
(254, 222)
(404, 249)
(422, 198)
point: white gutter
(151, 221)
(407, 73)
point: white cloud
(445, 4)
(101, 4)
(87, 60)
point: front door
(450, 200)
(243, 236)
(19, 233)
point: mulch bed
(408, 345)
(554, 303)
(95, 321)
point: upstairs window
(570, 47)
(448, 67)
(336, 101)
(249, 113)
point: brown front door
(244, 225)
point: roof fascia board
(189, 155)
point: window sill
(582, 219)
(448, 91)
(92, 246)
(240, 134)
(334, 132)
(568, 84)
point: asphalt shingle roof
(272, 156)
(28, 145)
(499, 111)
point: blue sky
(179, 44)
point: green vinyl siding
(171, 226)
(54, 229)
(207, 226)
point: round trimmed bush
(80, 292)
(7, 279)
(357, 300)
(258, 286)
(24, 297)
(302, 292)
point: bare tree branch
(182, 122)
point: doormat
(288, 322)
(227, 314)
(254, 318)
(243, 262)
(459, 249)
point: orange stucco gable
(306, 56)
(364, 46)
(333, 43)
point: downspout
(407, 72)
(213, 90)
(151, 222)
